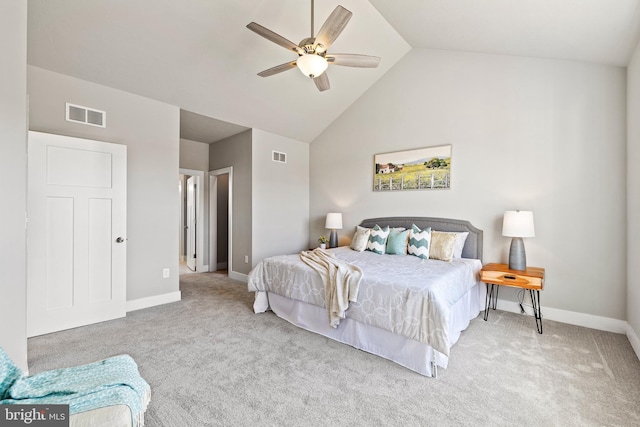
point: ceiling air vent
(87, 116)
(279, 157)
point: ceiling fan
(313, 58)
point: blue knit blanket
(113, 381)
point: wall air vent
(87, 116)
(279, 157)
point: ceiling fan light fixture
(312, 65)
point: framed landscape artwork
(420, 169)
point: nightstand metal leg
(535, 302)
(487, 300)
(495, 296)
(491, 299)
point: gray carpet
(211, 361)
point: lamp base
(517, 256)
(333, 239)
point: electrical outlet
(246, 259)
(165, 273)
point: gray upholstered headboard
(472, 247)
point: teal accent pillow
(419, 242)
(378, 239)
(9, 373)
(397, 242)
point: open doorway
(191, 228)
(220, 220)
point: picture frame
(426, 168)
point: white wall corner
(239, 276)
(573, 318)
(633, 339)
(205, 269)
(139, 304)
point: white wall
(13, 173)
(280, 207)
(235, 151)
(531, 134)
(633, 199)
(150, 129)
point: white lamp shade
(312, 65)
(518, 224)
(334, 221)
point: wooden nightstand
(499, 275)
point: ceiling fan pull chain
(312, 18)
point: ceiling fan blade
(332, 27)
(353, 60)
(277, 69)
(322, 82)
(274, 37)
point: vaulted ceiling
(199, 55)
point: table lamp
(517, 224)
(333, 223)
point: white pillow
(459, 245)
(360, 239)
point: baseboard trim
(633, 339)
(139, 304)
(238, 276)
(571, 317)
(205, 269)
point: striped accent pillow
(378, 239)
(419, 242)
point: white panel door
(76, 236)
(191, 223)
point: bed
(409, 310)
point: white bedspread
(406, 295)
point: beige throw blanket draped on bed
(340, 278)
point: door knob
(119, 240)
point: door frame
(200, 265)
(213, 217)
